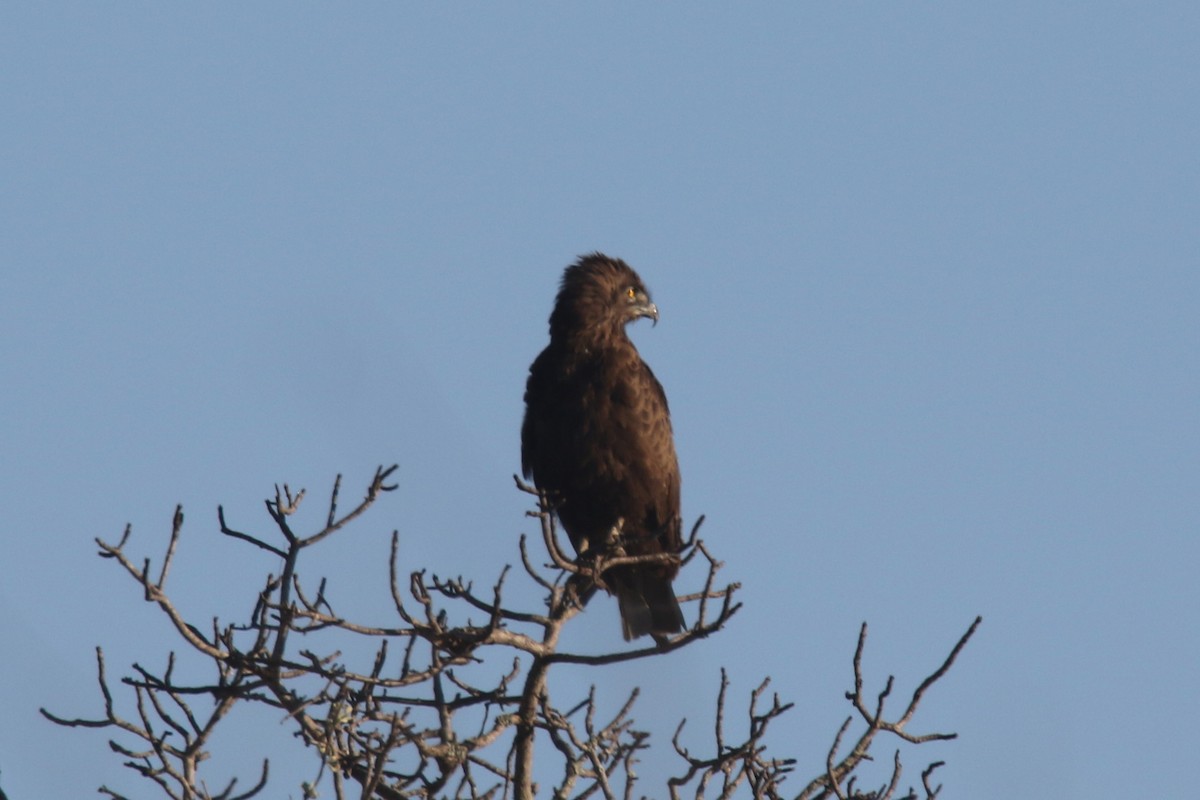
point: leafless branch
(838, 772)
(444, 715)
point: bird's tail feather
(648, 605)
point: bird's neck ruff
(601, 336)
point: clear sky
(929, 278)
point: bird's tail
(647, 604)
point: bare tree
(452, 716)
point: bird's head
(635, 302)
(600, 295)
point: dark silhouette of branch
(735, 764)
(174, 736)
(839, 772)
(436, 710)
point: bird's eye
(631, 293)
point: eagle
(597, 441)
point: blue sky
(928, 274)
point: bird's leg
(613, 548)
(579, 588)
(615, 544)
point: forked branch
(433, 710)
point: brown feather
(597, 438)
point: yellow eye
(631, 292)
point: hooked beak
(649, 310)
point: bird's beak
(650, 310)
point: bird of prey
(597, 440)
